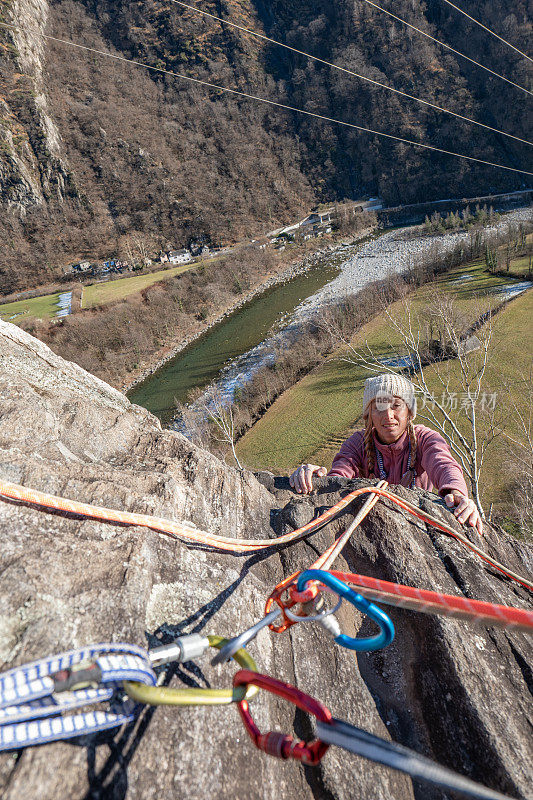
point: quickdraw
(164, 696)
(332, 731)
(35, 698)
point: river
(201, 362)
(230, 352)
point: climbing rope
(447, 605)
(177, 530)
(401, 758)
(34, 699)
(305, 588)
(310, 583)
(325, 561)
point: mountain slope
(93, 150)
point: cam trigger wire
(398, 757)
(351, 72)
(274, 103)
(331, 731)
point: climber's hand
(301, 478)
(465, 510)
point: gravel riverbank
(394, 251)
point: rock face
(454, 692)
(32, 170)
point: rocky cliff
(454, 692)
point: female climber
(393, 449)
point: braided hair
(412, 438)
(369, 444)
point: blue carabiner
(386, 634)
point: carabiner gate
(386, 634)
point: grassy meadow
(107, 291)
(44, 307)
(310, 420)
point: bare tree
(220, 412)
(521, 450)
(136, 249)
(441, 342)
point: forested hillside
(94, 150)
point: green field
(519, 267)
(98, 293)
(310, 420)
(472, 284)
(44, 307)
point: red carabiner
(279, 744)
(275, 597)
(295, 599)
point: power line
(448, 47)
(350, 72)
(460, 10)
(270, 102)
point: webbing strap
(33, 712)
(48, 706)
(26, 734)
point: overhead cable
(448, 47)
(350, 72)
(274, 103)
(489, 30)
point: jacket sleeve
(443, 470)
(347, 462)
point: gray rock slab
(454, 692)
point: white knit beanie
(389, 384)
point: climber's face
(390, 417)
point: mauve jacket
(436, 469)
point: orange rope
(326, 559)
(177, 530)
